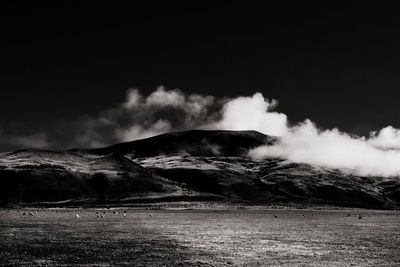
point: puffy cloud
(163, 98)
(386, 138)
(142, 116)
(133, 98)
(305, 143)
(252, 113)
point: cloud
(386, 138)
(164, 98)
(142, 116)
(305, 143)
(252, 113)
(133, 98)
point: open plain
(238, 237)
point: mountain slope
(37, 175)
(185, 166)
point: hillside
(187, 166)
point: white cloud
(386, 138)
(142, 116)
(305, 143)
(133, 98)
(252, 113)
(162, 97)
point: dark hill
(195, 143)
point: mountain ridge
(180, 167)
(169, 143)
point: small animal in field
(275, 216)
(77, 216)
(151, 215)
(31, 214)
(359, 216)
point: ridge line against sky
(166, 110)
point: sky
(68, 69)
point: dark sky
(338, 64)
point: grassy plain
(273, 237)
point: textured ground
(200, 238)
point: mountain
(184, 167)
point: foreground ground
(199, 237)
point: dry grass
(200, 238)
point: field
(56, 237)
